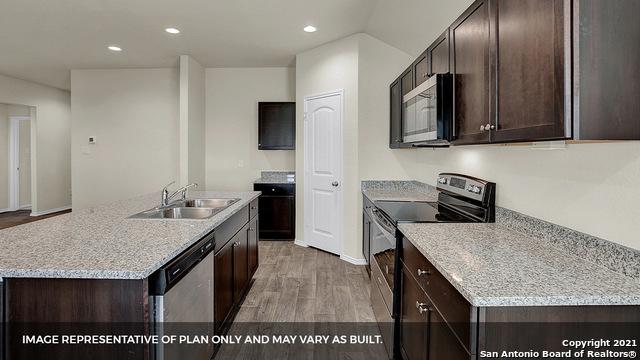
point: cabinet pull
(423, 272)
(421, 308)
(379, 281)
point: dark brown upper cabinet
(395, 116)
(607, 105)
(276, 126)
(421, 69)
(471, 68)
(406, 81)
(400, 87)
(531, 50)
(438, 55)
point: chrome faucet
(166, 198)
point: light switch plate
(92, 139)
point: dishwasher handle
(168, 275)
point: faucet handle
(167, 186)
(184, 189)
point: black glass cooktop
(419, 211)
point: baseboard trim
(25, 207)
(352, 260)
(5, 210)
(50, 211)
(300, 243)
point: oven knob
(470, 188)
(477, 189)
(442, 180)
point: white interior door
(323, 171)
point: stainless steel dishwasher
(182, 303)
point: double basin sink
(190, 209)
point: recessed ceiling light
(310, 29)
(114, 48)
(172, 30)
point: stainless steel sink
(209, 203)
(193, 209)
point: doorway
(19, 162)
(323, 209)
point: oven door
(383, 246)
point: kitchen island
(97, 267)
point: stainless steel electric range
(461, 199)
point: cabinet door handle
(379, 281)
(421, 307)
(423, 272)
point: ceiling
(41, 40)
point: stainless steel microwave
(427, 112)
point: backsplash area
(605, 253)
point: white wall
(50, 137)
(591, 188)
(192, 122)
(232, 96)
(327, 68)
(379, 64)
(134, 115)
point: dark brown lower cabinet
(414, 323)
(223, 284)
(240, 263)
(424, 333)
(277, 211)
(438, 323)
(235, 263)
(252, 234)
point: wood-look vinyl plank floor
(308, 287)
(14, 218)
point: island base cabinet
(235, 264)
(75, 306)
(223, 284)
(252, 234)
(240, 263)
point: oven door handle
(383, 223)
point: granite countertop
(495, 265)
(103, 243)
(276, 177)
(399, 190)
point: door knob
(335, 183)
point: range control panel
(469, 187)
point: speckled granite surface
(276, 177)
(519, 260)
(399, 190)
(602, 252)
(494, 266)
(102, 243)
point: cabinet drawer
(275, 189)
(253, 209)
(455, 309)
(230, 227)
